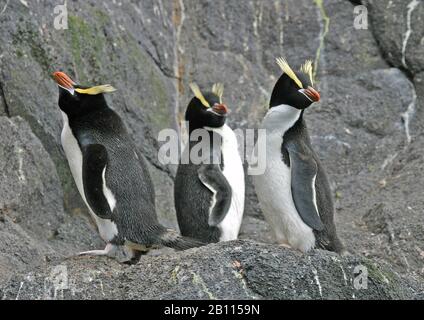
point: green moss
(101, 17)
(161, 117)
(76, 25)
(19, 53)
(376, 274)
(323, 34)
(174, 275)
(87, 44)
(197, 280)
(26, 36)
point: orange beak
(220, 108)
(63, 80)
(312, 94)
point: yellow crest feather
(198, 94)
(218, 90)
(96, 90)
(307, 69)
(282, 62)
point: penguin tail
(170, 238)
(331, 244)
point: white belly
(233, 171)
(107, 228)
(273, 189)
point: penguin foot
(134, 255)
(285, 245)
(108, 250)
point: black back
(127, 175)
(193, 199)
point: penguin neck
(281, 118)
(92, 109)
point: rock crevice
(3, 101)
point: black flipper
(94, 161)
(213, 178)
(303, 172)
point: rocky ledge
(232, 270)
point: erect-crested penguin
(209, 194)
(111, 175)
(294, 191)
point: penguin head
(75, 99)
(294, 89)
(206, 110)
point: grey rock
(378, 220)
(239, 269)
(31, 204)
(398, 27)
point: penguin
(293, 191)
(111, 175)
(209, 194)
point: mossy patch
(26, 36)
(326, 26)
(160, 115)
(19, 53)
(101, 16)
(379, 276)
(198, 281)
(87, 45)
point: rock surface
(233, 270)
(368, 129)
(398, 28)
(33, 224)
